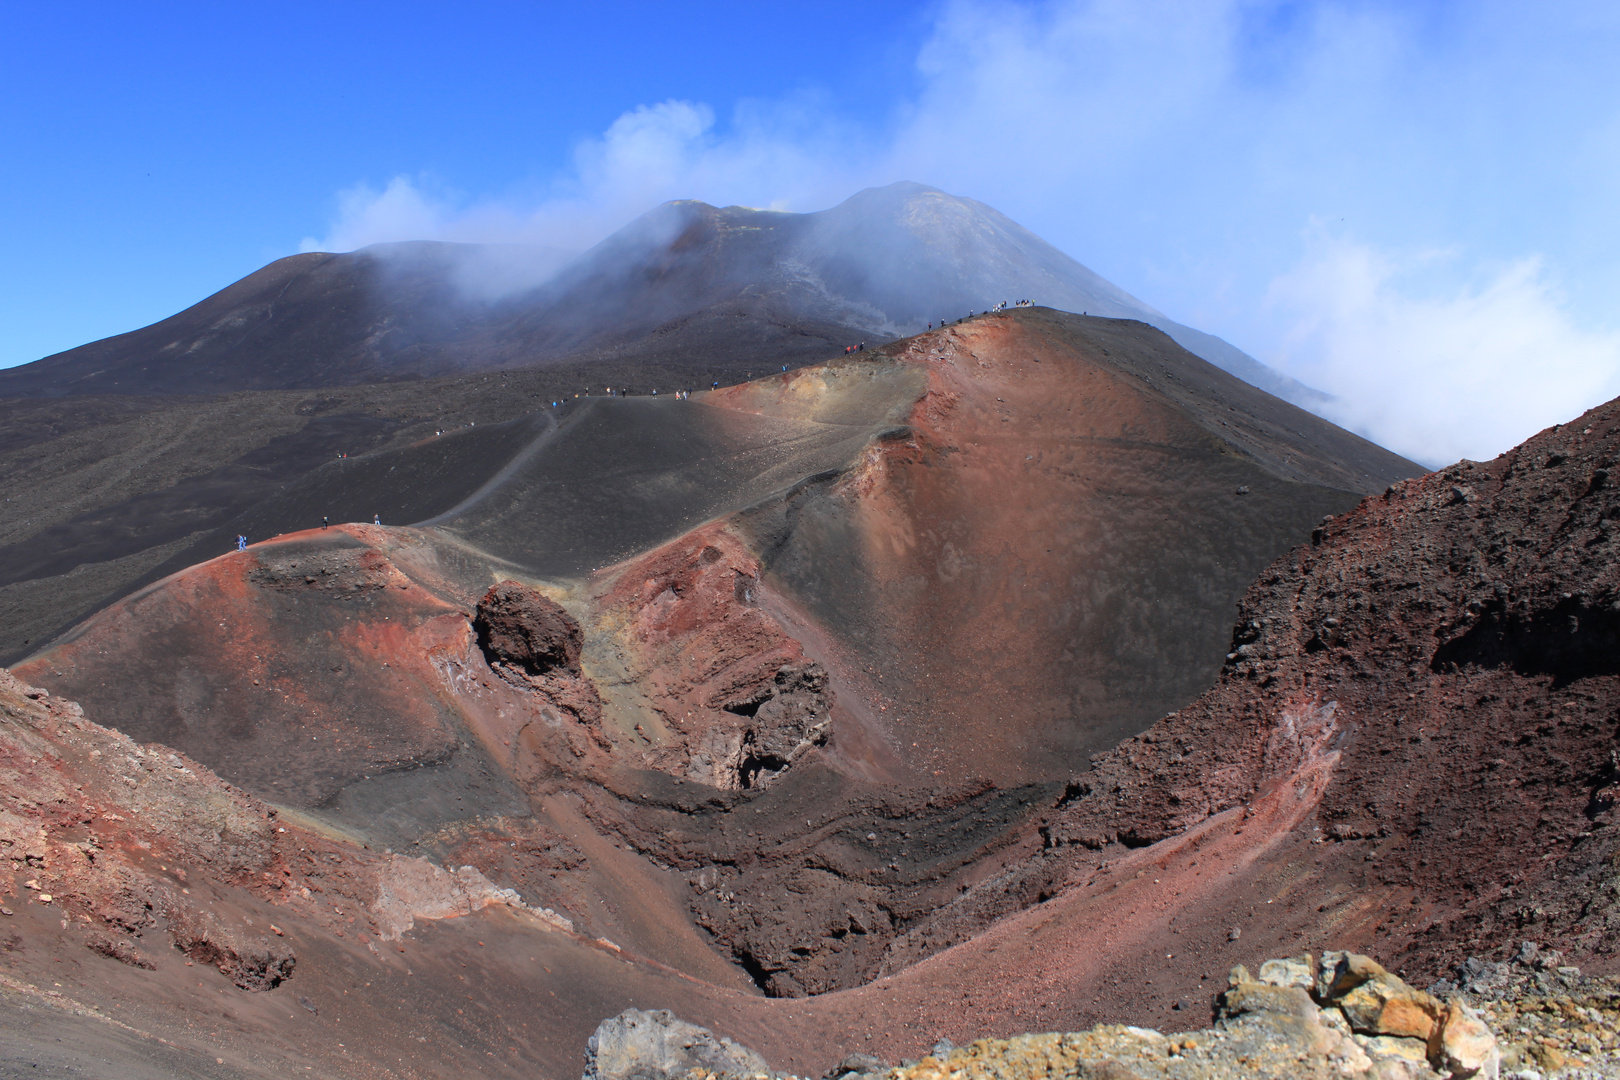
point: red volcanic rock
(729, 697)
(253, 961)
(520, 625)
(534, 646)
(1462, 631)
(89, 812)
(1042, 556)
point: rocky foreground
(1345, 1016)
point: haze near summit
(1409, 207)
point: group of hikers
(1002, 306)
(624, 391)
(326, 523)
(850, 349)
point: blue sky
(1413, 206)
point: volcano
(1025, 672)
(133, 457)
(712, 293)
(771, 706)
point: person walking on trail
(376, 519)
(325, 521)
(241, 543)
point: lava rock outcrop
(1462, 628)
(520, 625)
(728, 697)
(642, 1045)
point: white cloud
(651, 154)
(773, 156)
(1179, 149)
(1468, 372)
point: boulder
(1247, 996)
(1343, 971)
(1297, 971)
(1384, 1005)
(1467, 1047)
(856, 1064)
(520, 625)
(657, 1045)
(1415, 1051)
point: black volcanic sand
(39, 1040)
(623, 475)
(106, 494)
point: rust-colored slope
(1046, 559)
(1411, 751)
(295, 668)
(171, 917)
(1488, 587)
(1449, 651)
(189, 918)
(194, 923)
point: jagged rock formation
(1463, 627)
(725, 696)
(1347, 1017)
(1344, 1017)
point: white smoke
(1182, 151)
(650, 155)
(1438, 376)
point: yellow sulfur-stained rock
(1341, 972)
(1466, 1044)
(1384, 1005)
(1297, 971)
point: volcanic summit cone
(686, 287)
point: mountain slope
(916, 584)
(1409, 749)
(715, 292)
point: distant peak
(905, 187)
(899, 191)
